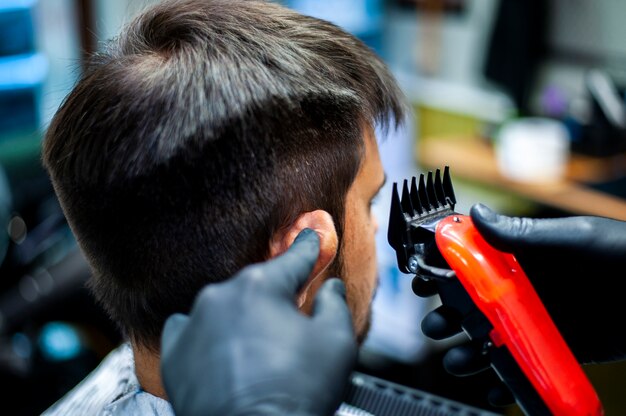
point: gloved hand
(246, 348)
(570, 262)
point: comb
(413, 218)
(372, 396)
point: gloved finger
(423, 288)
(287, 273)
(466, 360)
(500, 396)
(173, 328)
(508, 233)
(330, 308)
(442, 323)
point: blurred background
(524, 100)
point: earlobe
(322, 223)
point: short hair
(196, 134)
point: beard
(337, 269)
(361, 336)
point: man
(204, 138)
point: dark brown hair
(196, 134)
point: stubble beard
(337, 270)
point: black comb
(369, 395)
(422, 205)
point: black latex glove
(246, 348)
(576, 266)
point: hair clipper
(499, 306)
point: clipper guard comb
(500, 308)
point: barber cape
(112, 389)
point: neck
(147, 369)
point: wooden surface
(473, 159)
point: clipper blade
(422, 204)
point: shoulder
(113, 378)
(140, 403)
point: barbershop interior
(522, 103)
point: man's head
(202, 137)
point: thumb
(330, 307)
(502, 232)
(511, 233)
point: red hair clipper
(500, 307)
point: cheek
(360, 272)
(358, 259)
(361, 248)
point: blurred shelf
(473, 159)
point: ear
(322, 223)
